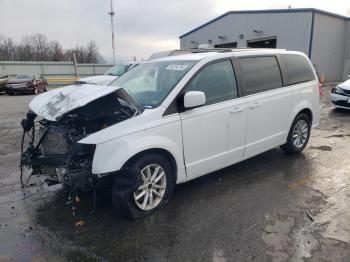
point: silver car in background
(109, 76)
(340, 95)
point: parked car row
(109, 76)
(33, 84)
(22, 84)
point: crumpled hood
(345, 85)
(55, 103)
(98, 80)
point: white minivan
(171, 120)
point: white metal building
(323, 36)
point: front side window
(217, 81)
(150, 83)
(260, 74)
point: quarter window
(260, 74)
(217, 81)
(297, 68)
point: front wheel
(148, 185)
(298, 135)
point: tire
(45, 89)
(130, 186)
(298, 131)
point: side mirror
(194, 99)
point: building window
(227, 45)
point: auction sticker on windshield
(176, 67)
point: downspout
(311, 34)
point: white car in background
(108, 77)
(340, 95)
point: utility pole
(112, 13)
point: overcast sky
(142, 26)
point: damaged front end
(54, 150)
(57, 153)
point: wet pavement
(273, 207)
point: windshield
(24, 77)
(150, 83)
(118, 70)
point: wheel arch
(114, 155)
(159, 151)
(306, 111)
(302, 107)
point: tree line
(37, 47)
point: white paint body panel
(267, 115)
(203, 139)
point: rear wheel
(298, 135)
(148, 185)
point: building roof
(269, 11)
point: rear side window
(260, 74)
(217, 81)
(297, 69)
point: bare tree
(38, 48)
(55, 51)
(7, 49)
(92, 54)
(25, 50)
(41, 46)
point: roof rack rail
(235, 49)
(175, 52)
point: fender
(304, 104)
(111, 155)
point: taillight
(320, 89)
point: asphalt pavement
(273, 207)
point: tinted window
(217, 81)
(297, 68)
(260, 74)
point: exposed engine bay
(56, 152)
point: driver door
(206, 134)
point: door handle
(254, 105)
(236, 110)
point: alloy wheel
(300, 133)
(151, 192)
